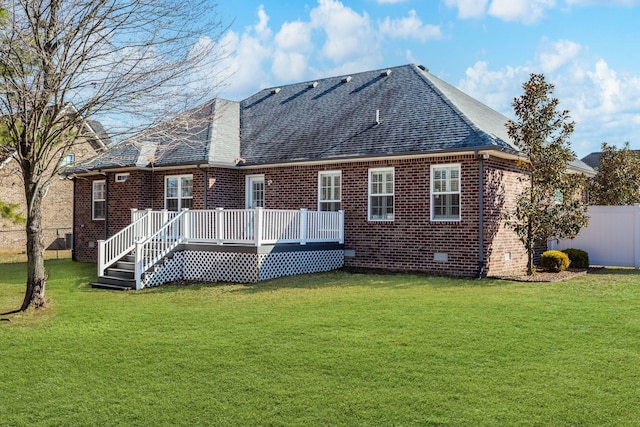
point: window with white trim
(68, 161)
(178, 192)
(329, 191)
(99, 200)
(445, 192)
(381, 194)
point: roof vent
(346, 79)
(386, 72)
(423, 68)
(274, 91)
(312, 85)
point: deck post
(186, 224)
(101, 257)
(219, 226)
(138, 264)
(304, 220)
(133, 214)
(149, 217)
(258, 218)
(341, 227)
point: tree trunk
(36, 276)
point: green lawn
(327, 349)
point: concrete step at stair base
(98, 285)
(121, 273)
(115, 282)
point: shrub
(554, 261)
(577, 257)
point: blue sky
(588, 48)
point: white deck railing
(153, 234)
(143, 223)
(160, 244)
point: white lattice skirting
(241, 266)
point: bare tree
(65, 61)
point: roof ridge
(426, 76)
(320, 79)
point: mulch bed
(543, 276)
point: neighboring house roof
(402, 110)
(593, 159)
(92, 130)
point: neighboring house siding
(57, 206)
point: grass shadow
(335, 279)
(627, 271)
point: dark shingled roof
(390, 112)
(182, 140)
(418, 113)
(593, 159)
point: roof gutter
(492, 150)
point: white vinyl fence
(612, 237)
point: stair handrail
(152, 249)
(118, 245)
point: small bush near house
(577, 257)
(555, 261)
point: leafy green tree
(551, 204)
(9, 211)
(618, 180)
(64, 61)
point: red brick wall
(225, 189)
(503, 250)
(143, 190)
(409, 242)
(86, 230)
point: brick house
(419, 171)
(57, 207)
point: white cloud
(495, 88)
(557, 54)
(348, 34)
(410, 27)
(468, 8)
(289, 66)
(261, 28)
(604, 2)
(526, 11)
(294, 36)
(604, 103)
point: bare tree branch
(63, 62)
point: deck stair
(121, 276)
